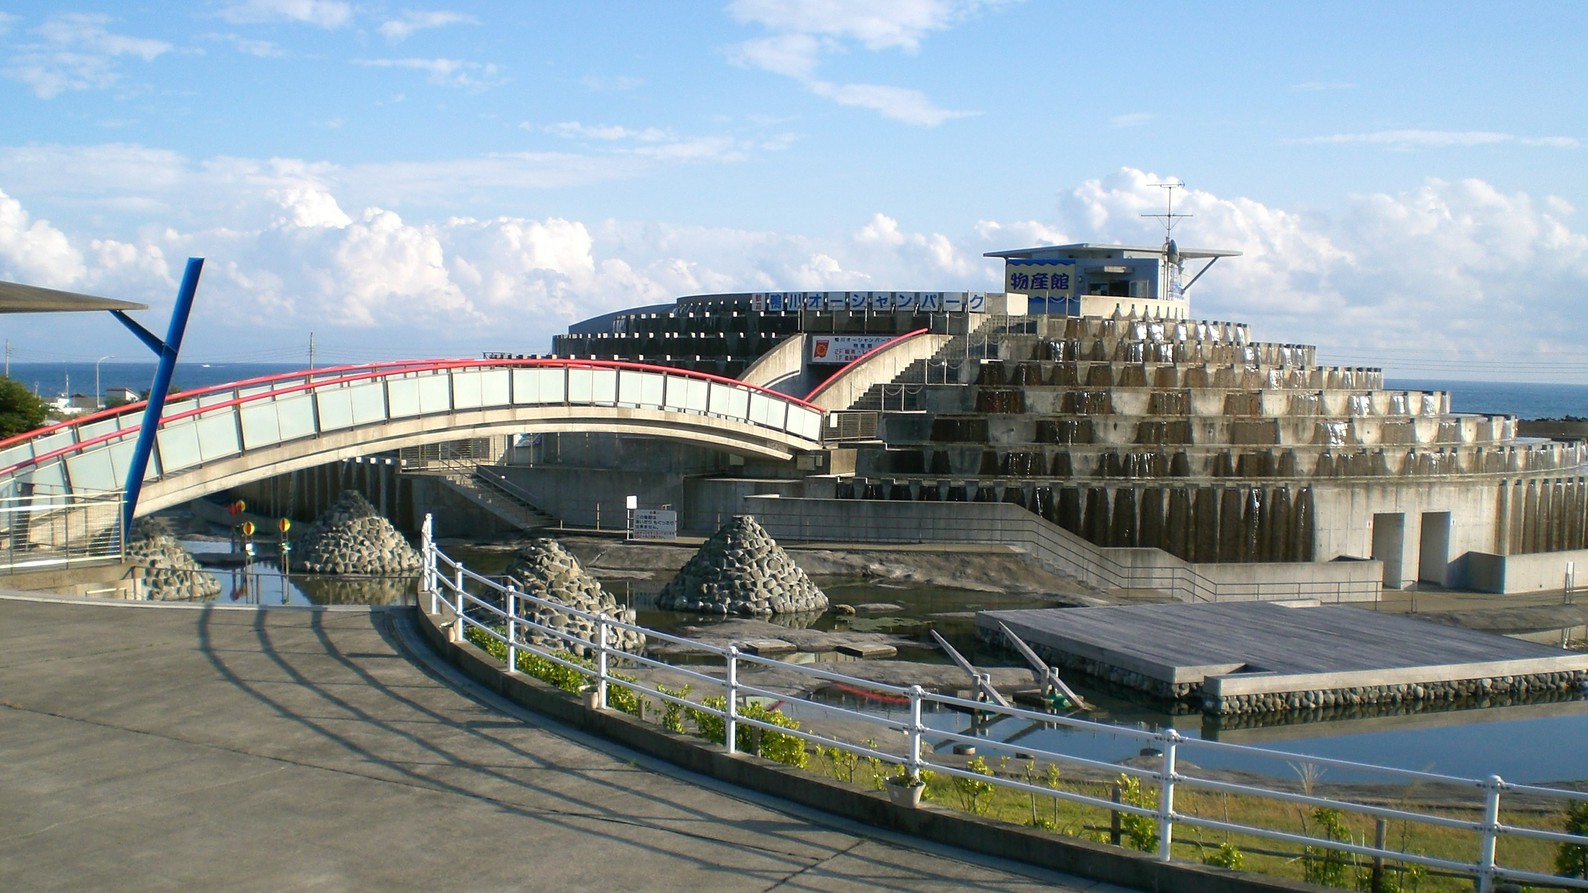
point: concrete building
(1087, 394)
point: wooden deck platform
(1241, 657)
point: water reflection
(261, 582)
(357, 590)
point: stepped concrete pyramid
(545, 570)
(741, 570)
(352, 538)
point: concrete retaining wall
(884, 521)
(1536, 572)
(1262, 693)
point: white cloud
(322, 13)
(1132, 119)
(34, 252)
(791, 55)
(445, 72)
(876, 25)
(76, 51)
(807, 32)
(1444, 272)
(401, 28)
(1450, 278)
(893, 103)
(612, 132)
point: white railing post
(601, 660)
(427, 573)
(512, 629)
(1171, 740)
(913, 750)
(730, 726)
(1490, 833)
(457, 582)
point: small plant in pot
(906, 787)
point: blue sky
(1405, 180)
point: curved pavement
(201, 747)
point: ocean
(1525, 400)
(1522, 399)
(49, 380)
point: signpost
(654, 524)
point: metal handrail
(472, 612)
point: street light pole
(99, 393)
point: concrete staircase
(493, 492)
(941, 368)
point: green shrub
(708, 725)
(570, 679)
(1571, 859)
(1141, 831)
(776, 746)
(975, 795)
(1326, 865)
(673, 713)
(1048, 776)
(842, 764)
(1228, 855)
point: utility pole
(311, 351)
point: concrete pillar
(1124, 531)
(1304, 544)
(1518, 518)
(1530, 518)
(1151, 514)
(1502, 528)
(1070, 513)
(1252, 525)
(1279, 546)
(1231, 504)
(1097, 516)
(1205, 525)
(1574, 516)
(1177, 529)
(1557, 520)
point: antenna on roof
(1169, 217)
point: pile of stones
(170, 573)
(352, 538)
(545, 570)
(741, 570)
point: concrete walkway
(214, 748)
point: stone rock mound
(742, 570)
(546, 570)
(170, 573)
(352, 538)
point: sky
(1405, 180)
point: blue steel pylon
(167, 352)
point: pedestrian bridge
(231, 434)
